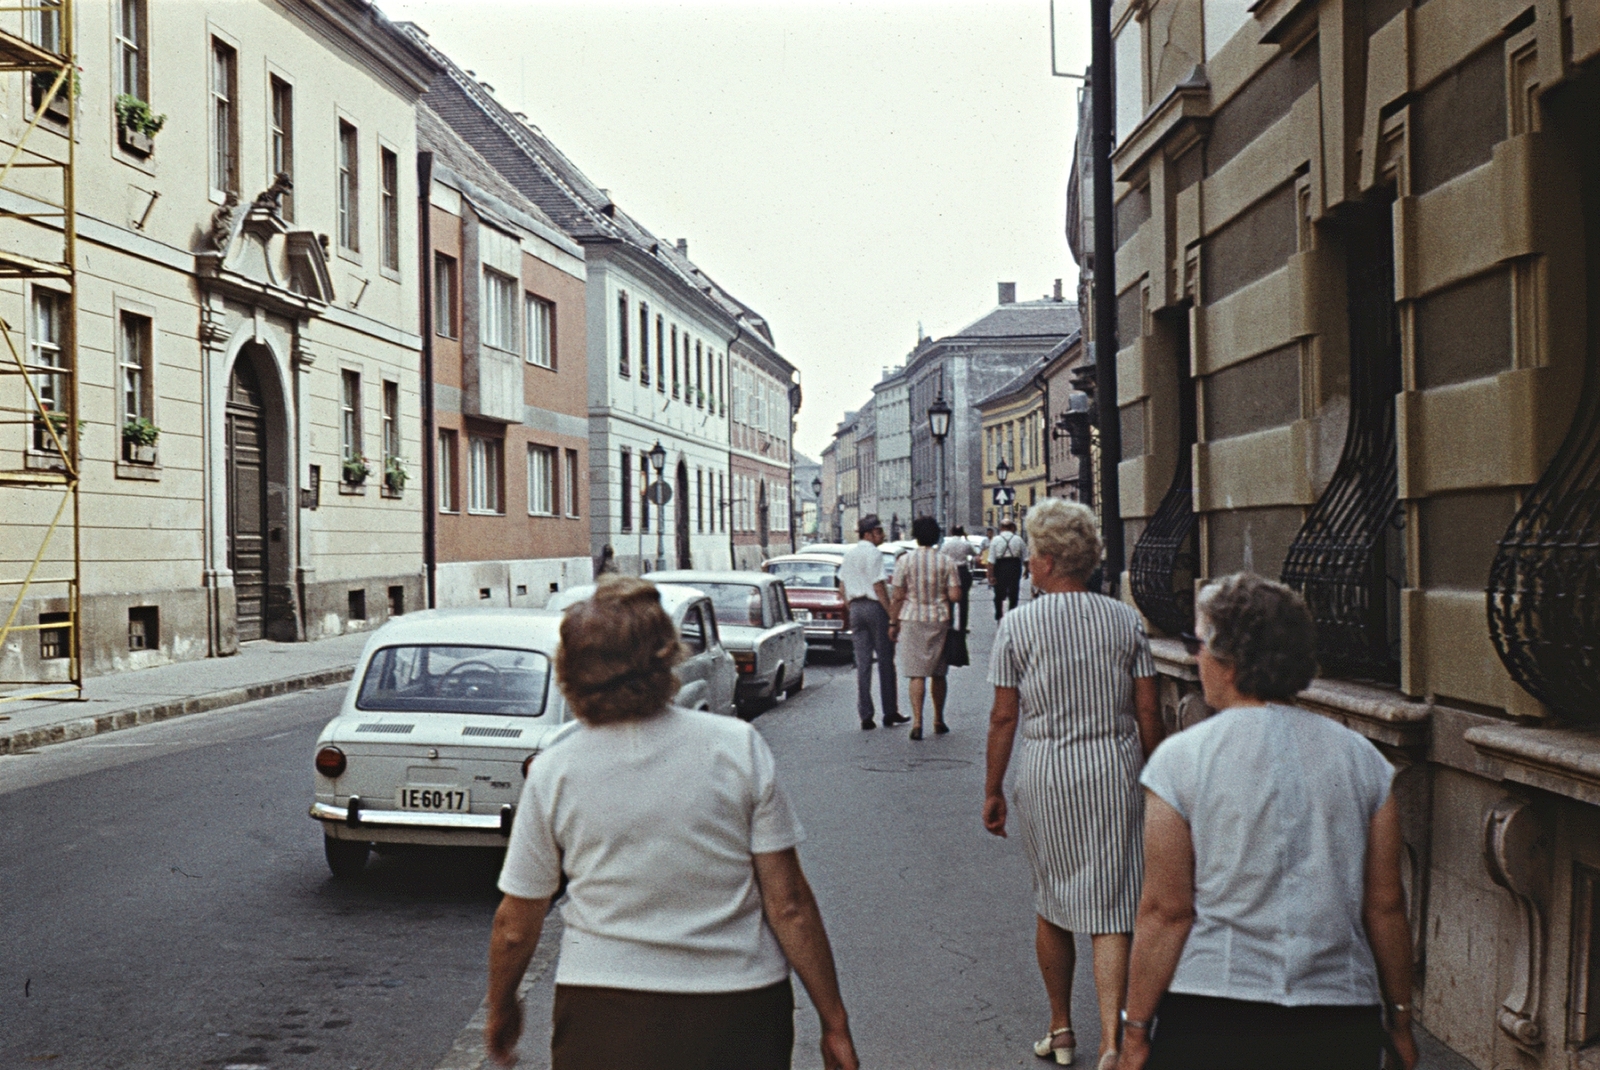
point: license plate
(801, 614)
(423, 797)
(830, 625)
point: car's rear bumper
(354, 823)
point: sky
(848, 170)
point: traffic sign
(658, 493)
(1005, 495)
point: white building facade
(892, 402)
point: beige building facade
(1357, 252)
(244, 351)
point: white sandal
(1064, 1054)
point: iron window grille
(1162, 569)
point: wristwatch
(1134, 1023)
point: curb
(83, 727)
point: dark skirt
(610, 1028)
(1207, 1033)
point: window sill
(351, 255)
(353, 490)
(149, 473)
(390, 492)
(1561, 760)
(43, 461)
(545, 516)
(392, 274)
(484, 512)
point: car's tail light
(527, 762)
(330, 762)
(745, 661)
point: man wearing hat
(866, 595)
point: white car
(767, 642)
(707, 674)
(443, 715)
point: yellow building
(1014, 433)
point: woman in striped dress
(921, 593)
(1074, 669)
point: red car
(812, 584)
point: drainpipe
(1105, 296)
(430, 482)
(1044, 389)
(733, 556)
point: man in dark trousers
(1008, 559)
(866, 594)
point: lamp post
(658, 461)
(838, 523)
(1002, 472)
(939, 426)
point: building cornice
(365, 32)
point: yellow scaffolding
(39, 459)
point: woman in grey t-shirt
(1272, 929)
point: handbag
(955, 649)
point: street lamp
(816, 487)
(939, 426)
(658, 461)
(1002, 472)
(838, 524)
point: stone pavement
(122, 700)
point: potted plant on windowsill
(137, 126)
(139, 440)
(356, 471)
(394, 475)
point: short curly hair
(1263, 629)
(1067, 533)
(618, 649)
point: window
(133, 366)
(780, 507)
(693, 632)
(700, 500)
(349, 188)
(1127, 67)
(389, 201)
(541, 480)
(144, 627)
(627, 490)
(541, 317)
(282, 123)
(570, 488)
(391, 420)
(132, 73)
(444, 295)
(675, 361)
(498, 316)
(224, 118)
(622, 335)
(485, 456)
(44, 30)
(722, 397)
(661, 353)
(644, 488)
(644, 342)
(699, 377)
(55, 643)
(45, 351)
(350, 416)
(449, 473)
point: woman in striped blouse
(1074, 669)
(924, 586)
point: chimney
(1058, 290)
(683, 247)
(1008, 293)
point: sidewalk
(126, 699)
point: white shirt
(1008, 544)
(655, 823)
(958, 550)
(1279, 803)
(861, 568)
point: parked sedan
(767, 642)
(811, 582)
(707, 675)
(443, 715)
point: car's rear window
(738, 604)
(456, 679)
(805, 573)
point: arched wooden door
(684, 559)
(247, 499)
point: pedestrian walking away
(1073, 669)
(686, 905)
(959, 549)
(1008, 556)
(925, 585)
(866, 597)
(1272, 931)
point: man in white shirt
(1008, 556)
(866, 597)
(959, 549)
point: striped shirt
(926, 576)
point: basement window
(358, 605)
(55, 643)
(144, 627)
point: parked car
(757, 626)
(823, 548)
(707, 674)
(811, 582)
(443, 715)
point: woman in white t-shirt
(686, 905)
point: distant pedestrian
(959, 549)
(925, 585)
(1273, 930)
(686, 905)
(1008, 557)
(866, 597)
(1075, 670)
